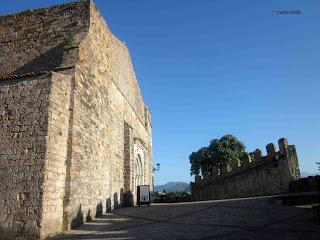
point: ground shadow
(202, 220)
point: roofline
(42, 8)
(31, 74)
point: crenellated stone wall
(74, 127)
(256, 176)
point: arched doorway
(139, 176)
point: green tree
(206, 156)
(226, 149)
(220, 151)
(195, 163)
(200, 160)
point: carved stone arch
(140, 164)
(140, 142)
(139, 170)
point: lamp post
(157, 168)
(154, 169)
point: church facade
(75, 133)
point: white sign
(144, 193)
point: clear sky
(211, 67)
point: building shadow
(99, 210)
(128, 200)
(121, 197)
(78, 220)
(115, 200)
(46, 61)
(108, 205)
(89, 217)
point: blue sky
(208, 68)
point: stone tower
(75, 134)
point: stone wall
(260, 175)
(106, 98)
(307, 184)
(96, 123)
(56, 153)
(28, 169)
(42, 39)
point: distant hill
(173, 187)
(306, 174)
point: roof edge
(31, 10)
(31, 74)
(24, 75)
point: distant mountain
(173, 187)
(307, 174)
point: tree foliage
(220, 151)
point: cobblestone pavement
(255, 218)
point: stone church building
(75, 133)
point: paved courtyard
(257, 219)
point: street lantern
(156, 168)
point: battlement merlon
(283, 147)
(271, 150)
